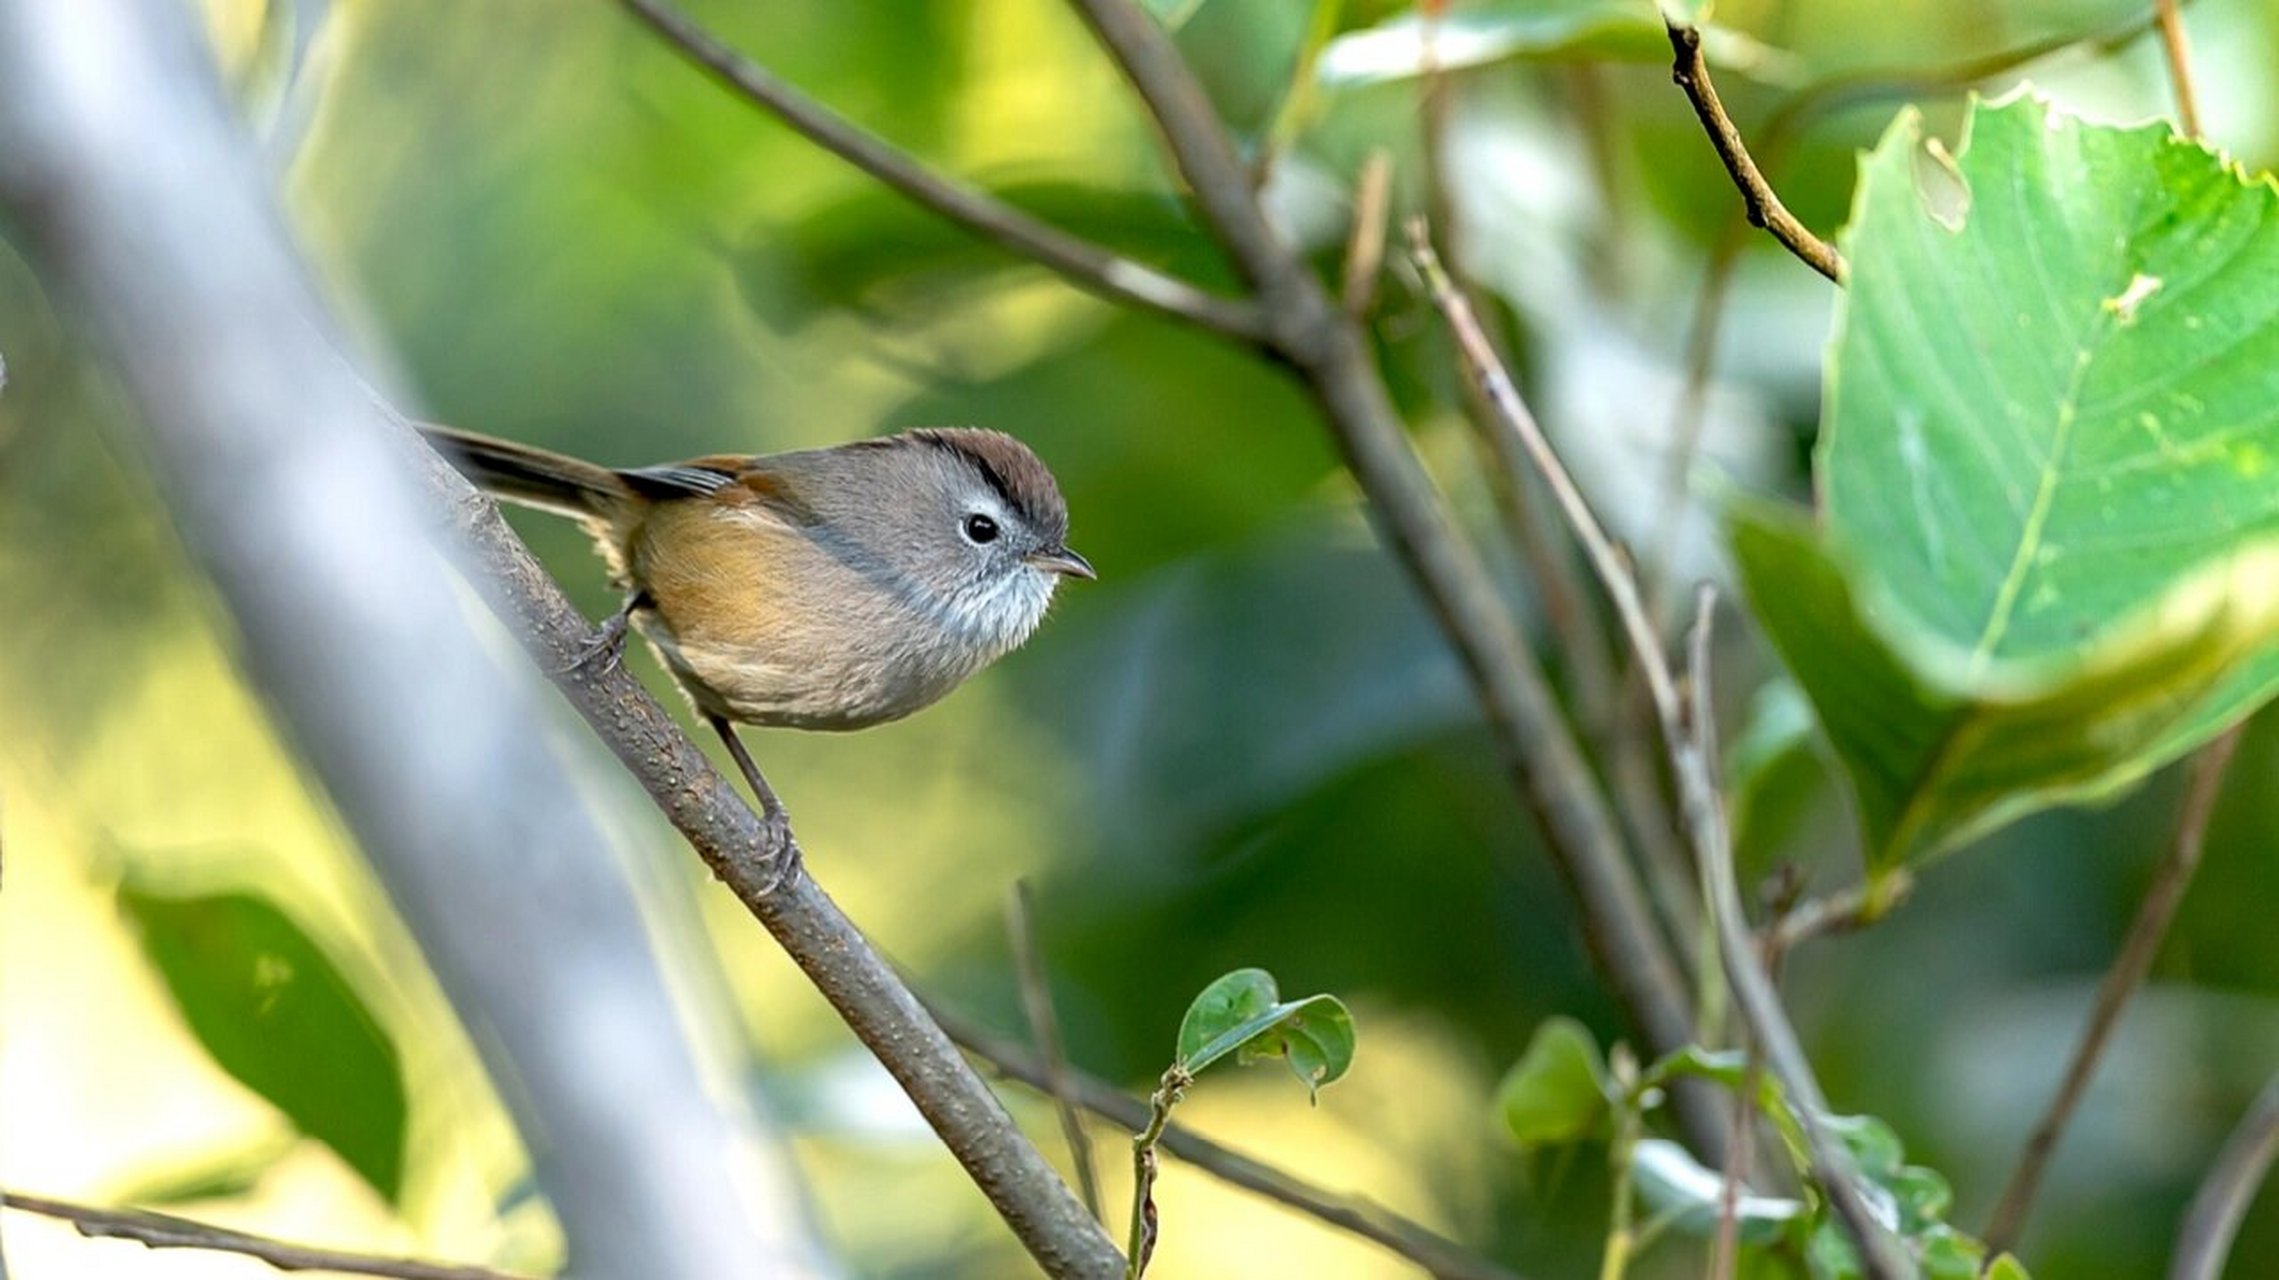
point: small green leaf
(1171, 14)
(2007, 1267)
(1690, 1196)
(277, 1014)
(1557, 1091)
(1772, 769)
(1242, 1013)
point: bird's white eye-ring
(980, 529)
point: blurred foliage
(1244, 746)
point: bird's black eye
(980, 528)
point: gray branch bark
(144, 207)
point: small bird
(832, 588)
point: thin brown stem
(1688, 735)
(2138, 950)
(1145, 1224)
(1846, 911)
(2206, 1240)
(1436, 1254)
(1044, 1024)
(165, 1231)
(1087, 265)
(2179, 50)
(1691, 72)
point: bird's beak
(1062, 561)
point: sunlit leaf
(1557, 1091)
(278, 1015)
(1242, 1013)
(1602, 30)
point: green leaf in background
(1940, 749)
(277, 1014)
(1557, 1091)
(2042, 420)
(1772, 770)
(1404, 47)
(1243, 1013)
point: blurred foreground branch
(142, 204)
(289, 478)
(165, 1231)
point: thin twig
(2179, 51)
(165, 1231)
(1697, 784)
(1365, 245)
(1434, 1253)
(2138, 951)
(2223, 1198)
(1044, 1024)
(1329, 353)
(1842, 912)
(1146, 1226)
(1087, 265)
(1691, 72)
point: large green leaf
(2052, 414)
(277, 1014)
(1940, 748)
(2043, 416)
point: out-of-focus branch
(165, 1231)
(1044, 1024)
(1327, 351)
(1087, 265)
(2170, 16)
(142, 204)
(287, 472)
(1686, 733)
(2206, 1240)
(2138, 950)
(1436, 1254)
(1691, 72)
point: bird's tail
(532, 476)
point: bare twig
(1685, 731)
(165, 1231)
(1842, 912)
(2206, 1240)
(1365, 245)
(1146, 1227)
(1044, 1024)
(1691, 72)
(1087, 265)
(1328, 352)
(2179, 51)
(2138, 951)
(1434, 1253)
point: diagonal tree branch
(1083, 263)
(165, 1231)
